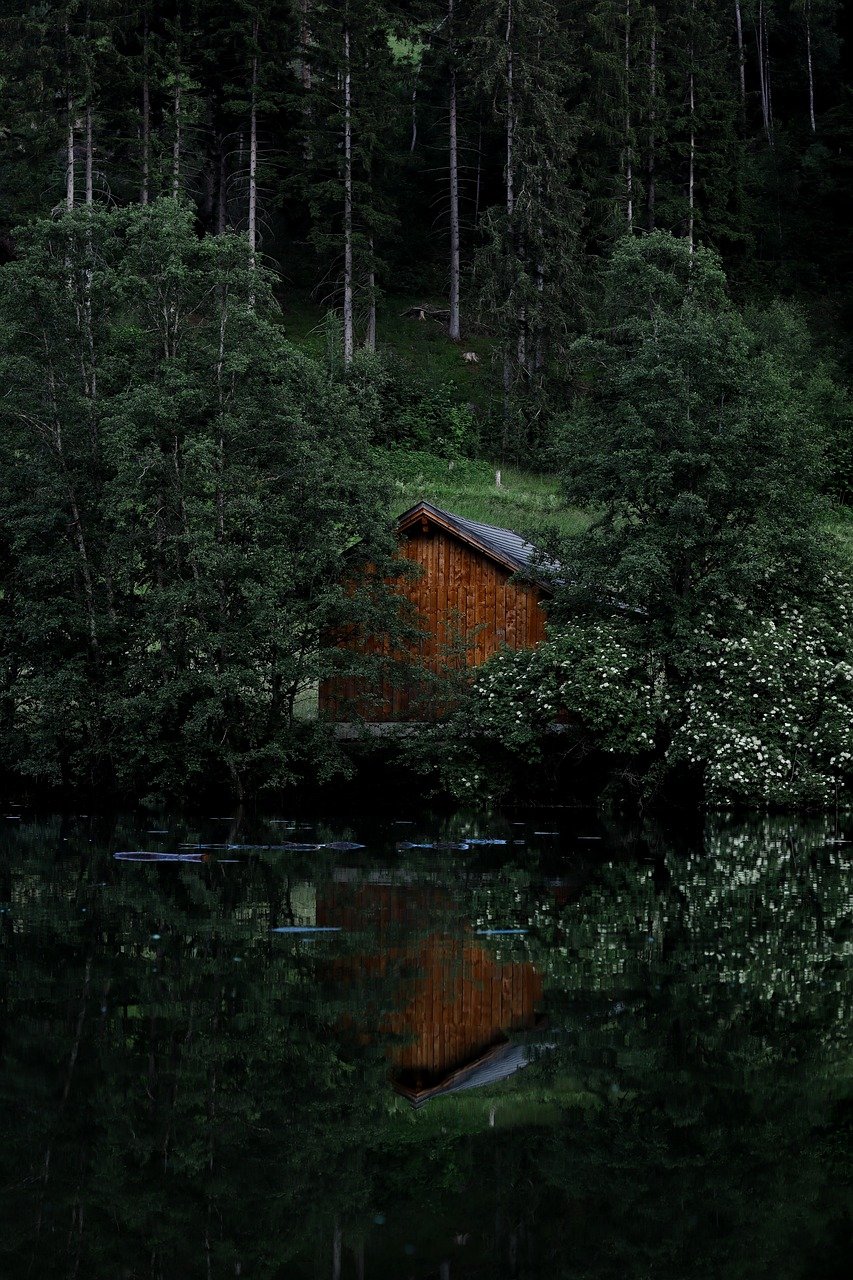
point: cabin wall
(468, 609)
(450, 998)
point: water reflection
(186, 1092)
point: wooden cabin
(454, 1003)
(468, 604)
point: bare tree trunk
(176, 150)
(510, 178)
(337, 1249)
(653, 95)
(479, 168)
(69, 153)
(629, 172)
(691, 181)
(510, 118)
(764, 71)
(370, 336)
(69, 124)
(145, 189)
(253, 167)
(740, 53)
(809, 64)
(453, 324)
(90, 159)
(348, 307)
(221, 187)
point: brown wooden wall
(454, 1000)
(468, 609)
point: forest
(271, 267)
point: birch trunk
(510, 179)
(691, 180)
(653, 93)
(69, 153)
(809, 65)
(453, 324)
(740, 53)
(69, 128)
(370, 336)
(348, 307)
(144, 192)
(629, 174)
(253, 168)
(90, 159)
(176, 150)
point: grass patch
(527, 501)
(841, 527)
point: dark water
(649, 1076)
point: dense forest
(614, 216)
(484, 154)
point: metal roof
(508, 548)
(496, 1064)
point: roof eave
(425, 510)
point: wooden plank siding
(467, 607)
(453, 999)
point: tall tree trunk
(253, 167)
(809, 65)
(145, 189)
(370, 335)
(653, 96)
(348, 282)
(176, 148)
(510, 181)
(69, 127)
(69, 152)
(764, 71)
(453, 324)
(337, 1249)
(629, 169)
(740, 53)
(479, 169)
(691, 180)
(221, 187)
(90, 159)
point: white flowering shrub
(769, 718)
(586, 676)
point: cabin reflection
(454, 1002)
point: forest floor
(421, 344)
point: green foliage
(179, 488)
(768, 719)
(694, 442)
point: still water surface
(538, 1049)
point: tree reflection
(186, 1094)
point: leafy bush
(766, 722)
(769, 720)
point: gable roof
(495, 1064)
(498, 1062)
(501, 545)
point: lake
(469, 1045)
